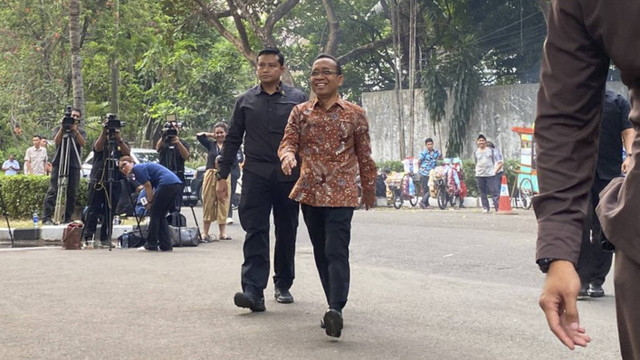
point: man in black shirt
(79, 136)
(103, 182)
(616, 130)
(260, 116)
(173, 152)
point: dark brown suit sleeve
(572, 84)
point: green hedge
(390, 165)
(24, 194)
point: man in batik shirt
(427, 162)
(331, 136)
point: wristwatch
(544, 264)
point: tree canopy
(151, 58)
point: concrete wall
(497, 110)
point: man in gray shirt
(486, 165)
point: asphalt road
(426, 284)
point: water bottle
(124, 243)
(35, 219)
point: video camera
(67, 120)
(113, 123)
(170, 129)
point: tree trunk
(76, 59)
(334, 28)
(398, 80)
(115, 79)
(412, 74)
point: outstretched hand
(559, 303)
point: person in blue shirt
(427, 161)
(167, 188)
(140, 209)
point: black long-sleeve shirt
(260, 119)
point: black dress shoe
(249, 301)
(583, 291)
(595, 291)
(333, 323)
(283, 296)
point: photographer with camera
(172, 150)
(70, 159)
(105, 186)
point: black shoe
(250, 301)
(595, 291)
(333, 322)
(583, 291)
(283, 296)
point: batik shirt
(334, 146)
(428, 161)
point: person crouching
(167, 188)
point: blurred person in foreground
(331, 136)
(584, 36)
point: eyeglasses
(316, 73)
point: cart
(401, 187)
(527, 180)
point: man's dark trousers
(330, 233)
(259, 196)
(594, 263)
(486, 186)
(424, 184)
(98, 206)
(72, 191)
(163, 200)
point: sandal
(225, 237)
(206, 239)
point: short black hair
(481, 137)
(428, 140)
(272, 51)
(328, 56)
(38, 136)
(78, 110)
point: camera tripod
(68, 142)
(106, 185)
(6, 215)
